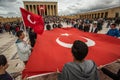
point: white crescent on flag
(68, 45)
(28, 18)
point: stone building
(12, 19)
(101, 13)
(42, 7)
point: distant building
(12, 19)
(42, 7)
(101, 13)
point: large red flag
(53, 49)
(32, 20)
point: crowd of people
(79, 69)
(11, 27)
(86, 25)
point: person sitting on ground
(113, 31)
(79, 69)
(23, 48)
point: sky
(10, 8)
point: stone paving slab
(15, 65)
(10, 52)
(5, 38)
(6, 46)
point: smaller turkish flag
(32, 20)
(41, 9)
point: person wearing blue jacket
(113, 31)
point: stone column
(36, 9)
(103, 14)
(53, 10)
(47, 9)
(25, 6)
(44, 9)
(50, 11)
(99, 15)
(56, 10)
(39, 10)
(28, 7)
(96, 15)
(92, 15)
(33, 10)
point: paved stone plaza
(8, 48)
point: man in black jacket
(94, 28)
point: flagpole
(23, 24)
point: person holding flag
(36, 23)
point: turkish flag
(32, 20)
(41, 9)
(53, 49)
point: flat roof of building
(101, 9)
(41, 0)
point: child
(79, 69)
(23, 48)
(3, 66)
